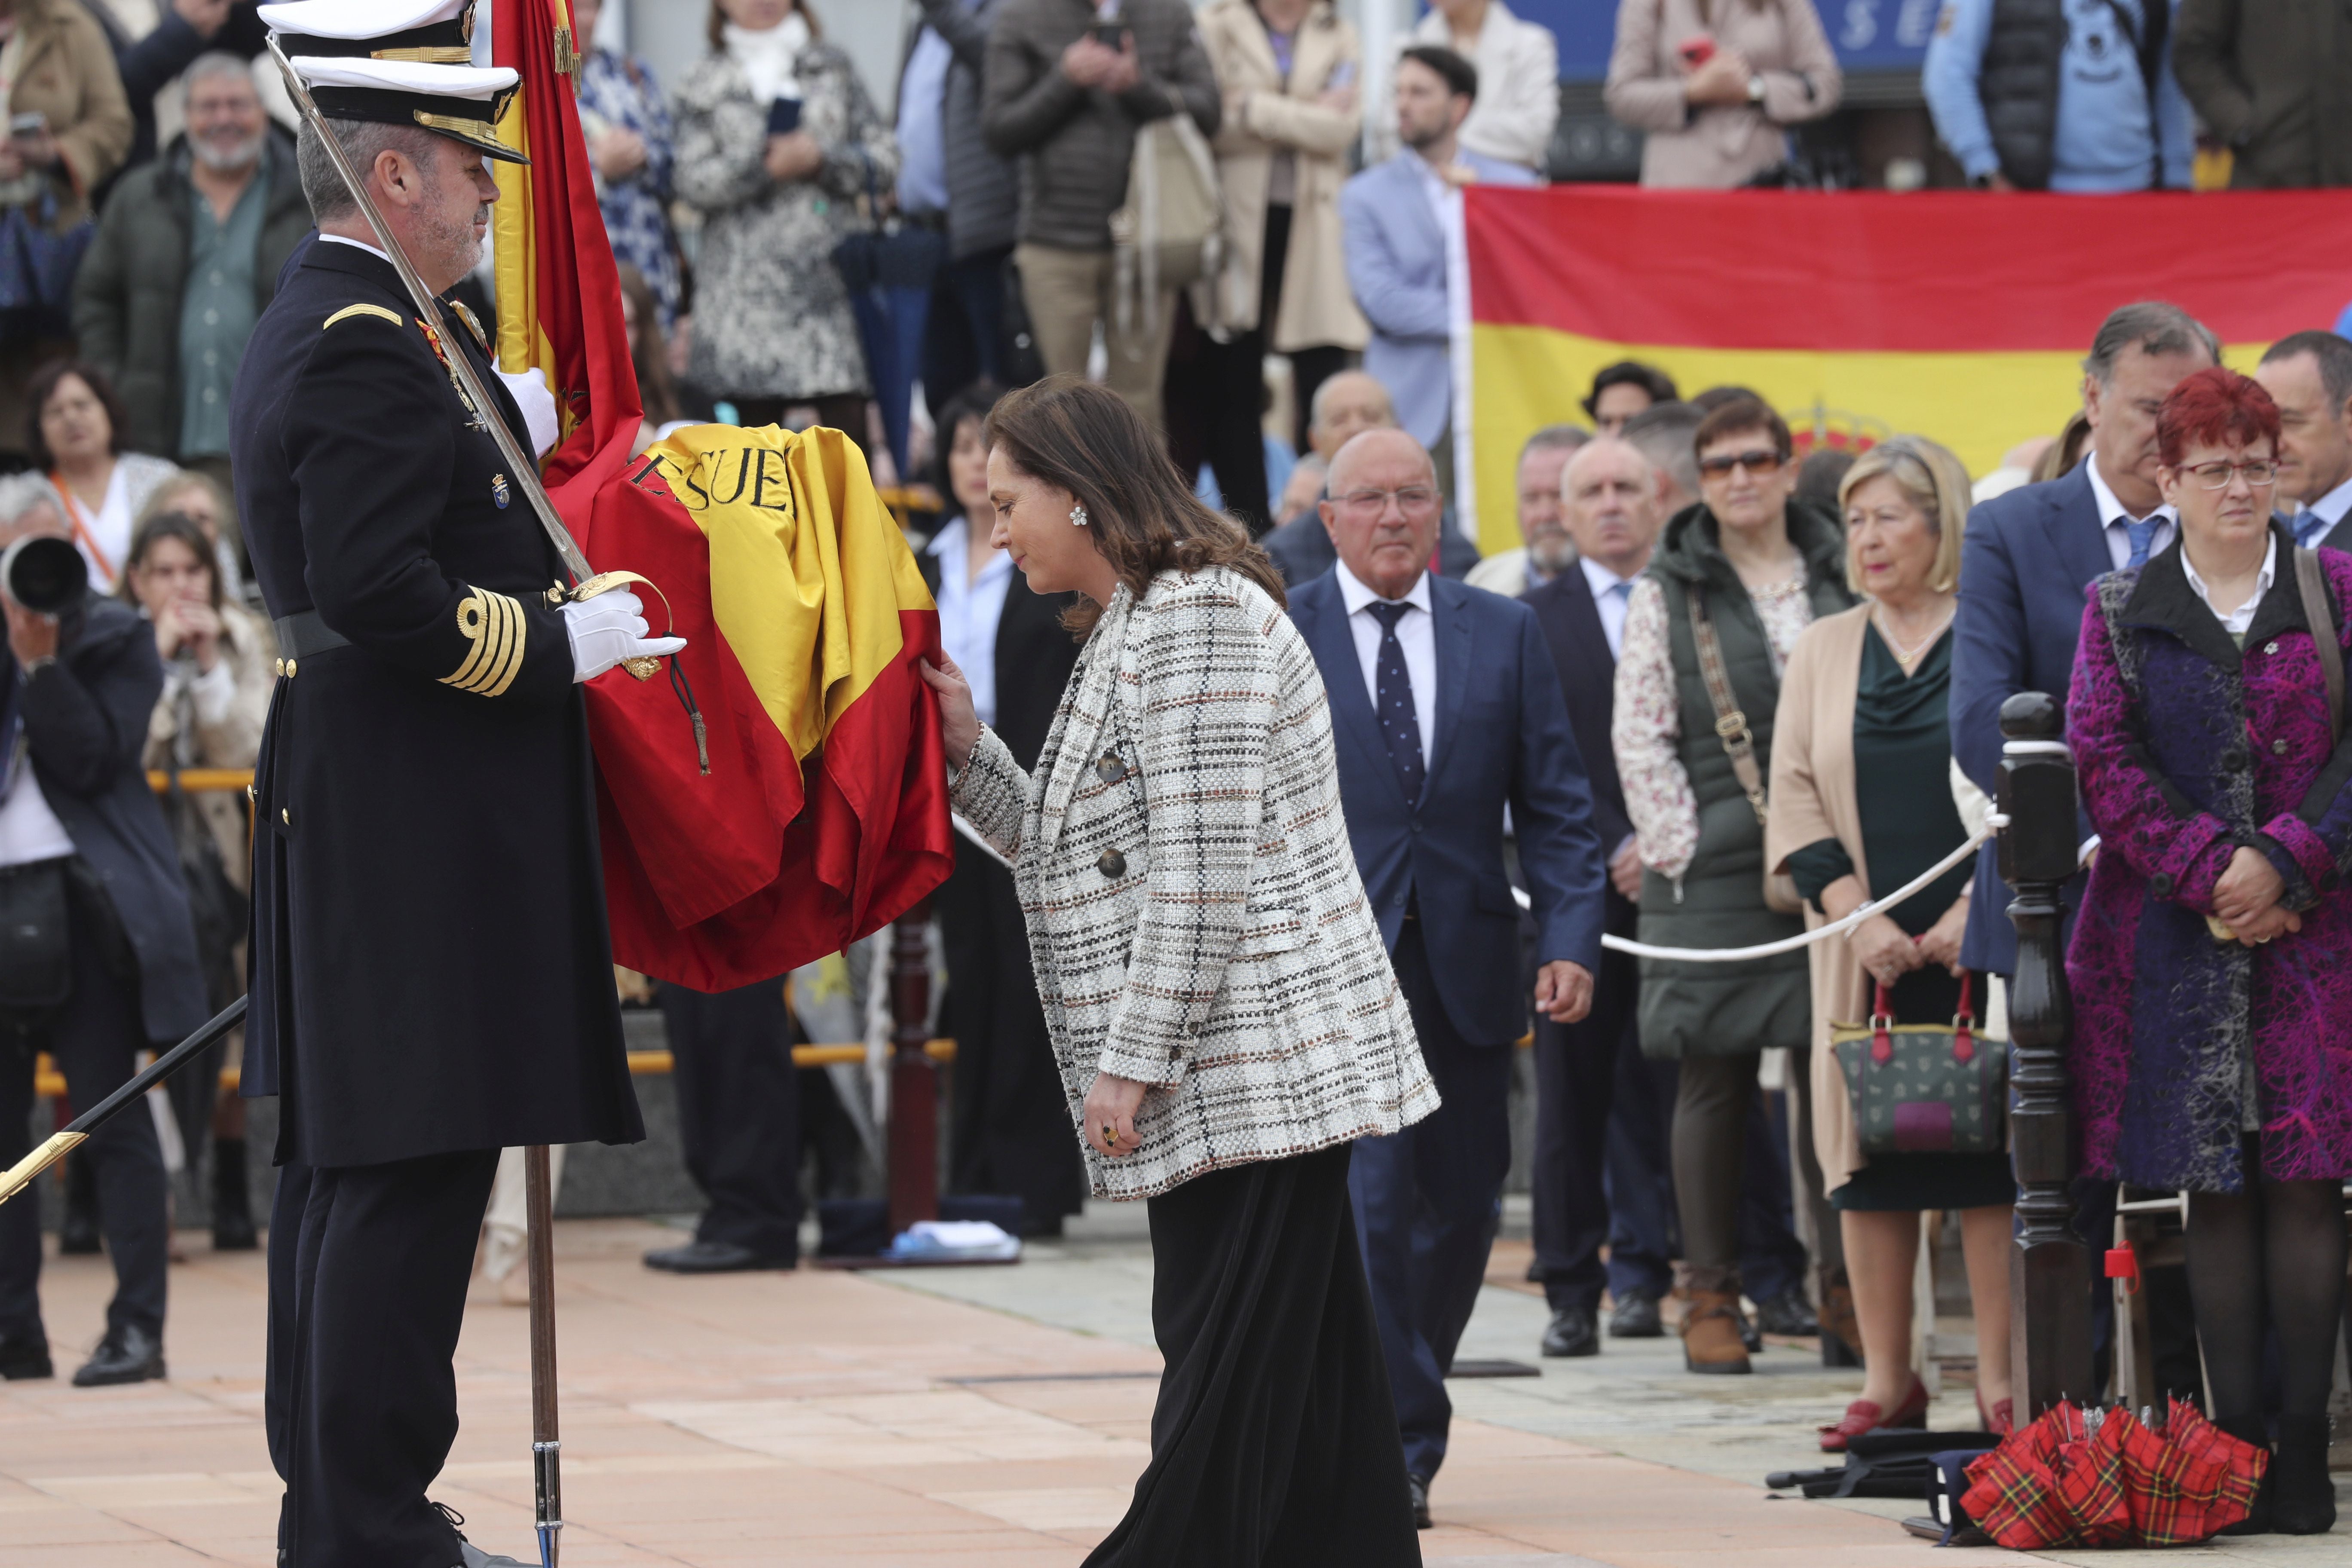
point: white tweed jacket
(1194, 908)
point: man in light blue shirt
(2120, 122)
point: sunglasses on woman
(1759, 464)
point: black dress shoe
(1636, 1317)
(1418, 1489)
(712, 1258)
(128, 1354)
(1788, 1314)
(1574, 1331)
(23, 1356)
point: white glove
(608, 628)
(529, 388)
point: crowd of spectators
(1327, 309)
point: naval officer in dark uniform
(432, 974)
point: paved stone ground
(995, 1417)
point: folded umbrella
(2077, 1477)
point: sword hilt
(54, 1148)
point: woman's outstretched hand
(958, 720)
(1110, 1115)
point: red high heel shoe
(1999, 1420)
(1863, 1416)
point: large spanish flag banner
(1955, 315)
(823, 814)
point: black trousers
(96, 1038)
(963, 339)
(1274, 1441)
(367, 1293)
(738, 1112)
(1577, 1069)
(1013, 1133)
(1428, 1202)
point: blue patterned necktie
(1393, 693)
(2143, 535)
(2308, 526)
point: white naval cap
(398, 62)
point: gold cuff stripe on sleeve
(428, 55)
(348, 311)
(497, 628)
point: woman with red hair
(2212, 960)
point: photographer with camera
(102, 960)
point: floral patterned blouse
(1646, 725)
(618, 92)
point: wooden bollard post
(2050, 1273)
(914, 1081)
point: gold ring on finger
(1110, 1135)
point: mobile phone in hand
(31, 124)
(1696, 50)
(784, 116)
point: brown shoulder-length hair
(716, 28)
(1084, 438)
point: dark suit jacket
(1034, 658)
(1501, 738)
(1302, 550)
(1571, 624)
(2025, 562)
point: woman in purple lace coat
(2212, 960)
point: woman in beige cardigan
(1765, 65)
(1289, 70)
(1861, 756)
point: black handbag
(1928, 1088)
(35, 941)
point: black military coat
(431, 964)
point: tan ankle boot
(1710, 1329)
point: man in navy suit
(1444, 711)
(2028, 556)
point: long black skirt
(1275, 1440)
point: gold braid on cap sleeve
(496, 627)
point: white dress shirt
(29, 830)
(2113, 514)
(1416, 633)
(969, 611)
(2236, 622)
(2329, 510)
(1611, 593)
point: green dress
(1902, 777)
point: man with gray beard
(185, 259)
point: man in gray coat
(1064, 93)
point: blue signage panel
(1868, 34)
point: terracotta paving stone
(819, 1417)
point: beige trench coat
(1723, 145)
(68, 74)
(1264, 117)
(1813, 799)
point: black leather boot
(232, 1206)
(2254, 1429)
(2303, 1498)
(78, 1234)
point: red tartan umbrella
(2102, 1478)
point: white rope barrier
(1993, 824)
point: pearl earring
(1078, 518)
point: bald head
(1609, 500)
(1383, 510)
(1346, 406)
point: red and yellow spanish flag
(825, 813)
(558, 287)
(1957, 315)
(822, 814)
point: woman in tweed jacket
(1220, 1002)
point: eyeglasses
(1411, 499)
(2216, 475)
(1760, 464)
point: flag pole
(546, 1445)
